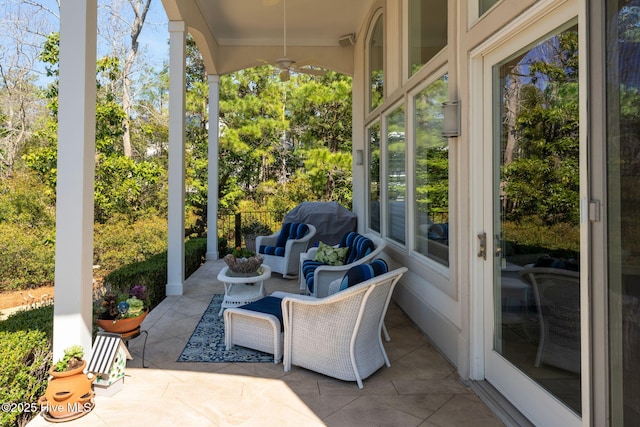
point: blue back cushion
(359, 246)
(268, 305)
(362, 272)
(291, 230)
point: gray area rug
(207, 341)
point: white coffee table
(241, 290)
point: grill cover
(331, 219)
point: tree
(544, 175)
(20, 106)
(133, 25)
(122, 185)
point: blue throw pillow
(362, 272)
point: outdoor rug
(207, 341)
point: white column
(177, 95)
(72, 314)
(212, 196)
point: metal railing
(230, 224)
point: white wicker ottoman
(253, 329)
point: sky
(153, 39)
(155, 35)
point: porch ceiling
(236, 34)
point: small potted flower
(68, 395)
(122, 312)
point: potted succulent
(251, 230)
(122, 312)
(69, 394)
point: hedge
(152, 272)
(25, 357)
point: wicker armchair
(315, 277)
(281, 251)
(557, 293)
(339, 335)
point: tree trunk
(140, 9)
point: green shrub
(38, 319)
(120, 242)
(25, 357)
(27, 257)
(152, 272)
(223, 246)
(531, 236)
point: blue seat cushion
(272, 250)
(267, 305)
(360, 273)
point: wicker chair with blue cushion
(317, 273)
(281, 251)
(339, 335)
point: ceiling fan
(287, 65)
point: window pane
(396, 180)
(432, 173)
(427, 31)
(374, 177)
(376, 65)
(623, 175)
(486, 5)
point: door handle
(482, 251)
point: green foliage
(532, 235)
(152, 272)
(25, 357)
(242, 253)
(27, 257)
(223, 246)
(543, 174)
(38, 319)
(126, 187)
(75, 352)
(255, 228)
(328, 171)
(119, 242)
(24, 201)
(320, 112)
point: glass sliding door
(533, 331)
(623, 204)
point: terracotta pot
(121, 326)
(68, 394)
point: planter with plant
(122, 312)
(69, 394)
(251, 230)
(242, 261)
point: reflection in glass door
(536, 215)
(623, 175)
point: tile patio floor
(419, 389)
